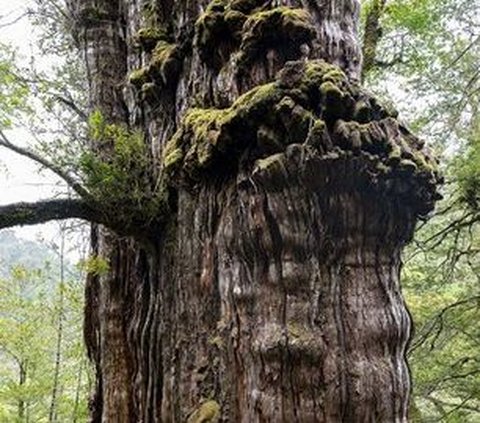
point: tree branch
(76, 186)
(71, 105)
(44, 211)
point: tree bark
(272, 293)
(44, 211)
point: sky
(20, 179)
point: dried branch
(72, 106)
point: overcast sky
(20, 179)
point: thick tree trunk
(272, 293)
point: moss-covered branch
(121, 190)
(19, 214)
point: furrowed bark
(20, 214)
(272, 293)
(101, 25)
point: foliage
(442, 289)
(14, 91)
(20, 252)
(467, 167)
(94, 265)
(32, 300)
(118, 173)
(431, 48)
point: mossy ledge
(162, 65)
(311, 104)
(148, 37)
(208, 412)
(162, 68)
(284, 27)
(250, 29)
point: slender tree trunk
(78, 389)
(52, 415)
(272, 293)
(22, 379)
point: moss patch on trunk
(311, 104)
(247, 27)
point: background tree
(41, 379)
(433, 47)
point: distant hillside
(19, 251)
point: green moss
(334, 98)
(206, 133)
(163, 66)
(275, 160)
(173, 158)
(139, 77)
(165, 62)
(213, 31)
(335, 75)
(312, 107)
(208, 412)
(282, 28)
(148, 37)
(318, 136)
(226, 26)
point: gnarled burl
(271, 294)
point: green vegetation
(431, 49)
(162, 68)
(209, 412)
(14, 92)
(117, 173)
(249, 29)
(163, 65)
(148, 37)
(281, 28)
(40, 376)
(428, 49)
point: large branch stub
(313, 108)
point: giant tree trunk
(271, 293)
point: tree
(253, 232)
(43, 371)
